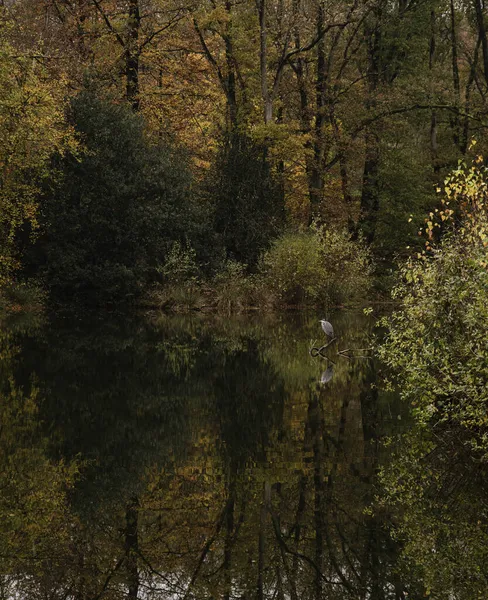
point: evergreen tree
(111, 214)
(249, 210)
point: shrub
(21, 297)
(232, 288)
(182, 285)
(180, 265)
(317, 267)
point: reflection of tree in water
(103, 402)
(299, 530)
(107, 396)
(436, 489)
(328, 547)
(216, 465)
(35, 524)
(248, 402)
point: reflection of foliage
(248, 399)
(107, 394)
(35, 521)
(312, 452)
(33, 490)
(214, 441)
(439, 500)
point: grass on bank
(21, 297)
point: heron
(327, 328)
(329, 332)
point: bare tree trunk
(227, 76)
(231, 73)
(455, 124)
(81, 17)
(370, 195)
(305, 120)
(433, 118)
(132, 547)
(480, 19)
(132, 55)
(316, 176)
(263, 59)
(467, 106)
(344, 176)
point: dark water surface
(195, 457)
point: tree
(249, 211)
(437, 341)
(32, 127)
(110, 215)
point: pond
(196, 457)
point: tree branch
(209, 56)
(109, 24)
(150, 38)
(284, 546)
(398, 111)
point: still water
(181, 457)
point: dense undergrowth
(313, 268)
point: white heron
(327, 328)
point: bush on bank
(437, 342)
(317, 267)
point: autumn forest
(243, 299)
(225, 135)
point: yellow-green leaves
(32, 128)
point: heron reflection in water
(327, 375)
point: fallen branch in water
(314, 351)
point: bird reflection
(327, 375)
